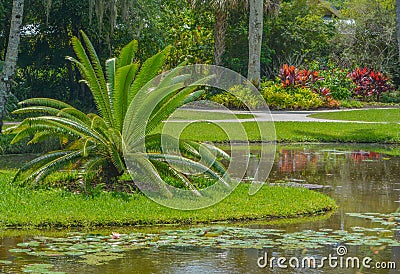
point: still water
(361, 179)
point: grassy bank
(367, 115)
(49, 208)
(297, 132)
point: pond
(364, 181)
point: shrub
(335, 79)
(280, 97)
(294, 78)
(369, 83)
(351, 103)
(391, 97)
(229, 100)
(291, 76)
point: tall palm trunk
(398, 24)
(221, 17)
(255, 40)
(10, 61)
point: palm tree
(10, 61)
(256, 19)
(398, 24)
(94, 141)
(221, 10)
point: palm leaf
(127, 54)
(150, 68)
(46, 102)
(123, 81)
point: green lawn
(367, 115)
(49, 208)
(184, 114)
(295, 132)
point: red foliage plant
(294, 77)
(369, 82)
(291, 76)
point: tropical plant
(295, 81)
(291, 76)
(93, 142)
(370, 83)
(293, 97)
(335, 79)
(234, 98)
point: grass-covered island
(24, 207)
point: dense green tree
(221, 9)
(368, 37)
(398, 25)
(298, 34)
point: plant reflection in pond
(363, 181)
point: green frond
(110, 74)
(90, 80)
(127, 54)
(177, 175)
(95, 62)
(153, 145)
(174, 101)
(96, 121)
(42, 136)
(116, 158)
(36, 109)
(39, 161)
(72, 113)
(141, 113)
(150, 68)
(123, 81)
(46, 102)
(28, 128)
(185, 163)
(141, 170)
(53, 165)
(93, 74)
(217, 151)
(59, 124)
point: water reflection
(361, 179)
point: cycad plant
(93, 142)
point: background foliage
(302, 33)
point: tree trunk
(398, 24)
(255, 40)
(219, 35)
(10, 61)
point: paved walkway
(279, 116)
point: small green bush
(278, 97)
(391, 97)
(335, 79)
(351, 103)
(232, 99)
